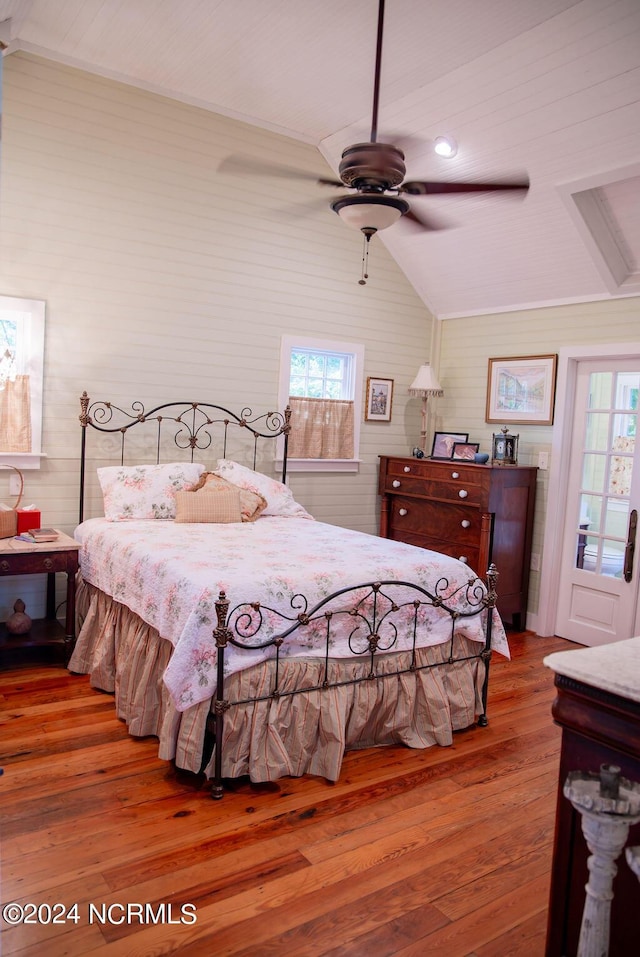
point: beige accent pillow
(216, 505)
(251, 503)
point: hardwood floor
(441, 852)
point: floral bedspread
(170, 574)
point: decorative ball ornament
(19, 623)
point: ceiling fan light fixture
(445, 146)
(368, 212)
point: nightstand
(47, 640)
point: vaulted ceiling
(550, 87)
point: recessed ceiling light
(445, 146)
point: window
(21, 374)
(322, 382)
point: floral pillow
(145, 491)
(280, 500)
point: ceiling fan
(376, 173)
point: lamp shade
(368, 211)
(425, 383)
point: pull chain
(365, 260)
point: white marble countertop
(614, 667)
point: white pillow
(280, 500)
(145, 491)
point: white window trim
(326, 345)
(36, 310)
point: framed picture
(379, 399)
(443, 443)
(521, 390)
(465, 450)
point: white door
(598, 590)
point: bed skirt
(291, 734)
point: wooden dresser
(477, 513)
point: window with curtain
(321, 381)
(21, 373)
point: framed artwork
(379, 399)
(443, 443)
(521, 390)
(465, 450)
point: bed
(247, 637)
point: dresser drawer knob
(463, 493)
(396, 483)
(465, 523)
(402, 511)
(455, 475)
(4, 565)
(464, 560)
(407, 468)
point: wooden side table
(46, 639)
(598, 708)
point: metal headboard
(191, 425)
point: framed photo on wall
(379, 400)
(521, 390)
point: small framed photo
(521, 390)
(379, 399)
(443, 443)
(465, 450)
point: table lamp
(425, 385)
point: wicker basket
(9, 519)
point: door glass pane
(612, 558)
(593, 473)
(616, 519)
(589, 553)
(590, 510)
(627, 385)
(600, 385)
(620, 472)
(624, 431)
(597, 432)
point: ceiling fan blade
(297, 211)
(426, 188)
(423, 223)
(246, 165)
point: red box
(28, 519)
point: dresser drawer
(453, 490)
(438, 471)
(35, 562)
(453, 523)
(470, 555)
(441, 481)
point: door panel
(598, 587)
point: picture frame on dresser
(465, 451)
(443, 443)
